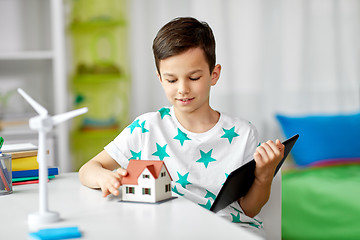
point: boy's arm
(98, 173)
(267, 157)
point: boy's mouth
(185, 100)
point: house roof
(136, 167)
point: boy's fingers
(257, 156)
(115, 184)
(105, 192)
(279, 145)
(269, 149)
(114, 191)
(274, 148)
(121, 171)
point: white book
(18, 147)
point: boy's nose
(183, 88)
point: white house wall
(142, 183)
(160, 186)
(157, 187)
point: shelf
(26, 55)
(96, 23)
(98, 78)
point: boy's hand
(110, 181)
(267, 157)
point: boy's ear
(215, 74)
(159, 76)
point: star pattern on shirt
(236, 219)
(210, 195)
(134, 125)
(260, 222)
(254, 225)
(181, 136)
(236, 209)
(143, 129)
(174, 189)
(183, 179)
(230, 134)
(226, 176)
(161, 151)
(207, 205)
(206, 158)
(164, 111)
(135, 155)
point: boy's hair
(182, 34)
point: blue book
(34, 172)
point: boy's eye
(194, 79)
(171, 80)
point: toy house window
(130, 190)
(146, 176)
(163, 174)
(167, 187)
(146, 191)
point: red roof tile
(136, 167)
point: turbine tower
(44, 123)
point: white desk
(107, 218)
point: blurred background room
(295, 58)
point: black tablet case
(240, 180)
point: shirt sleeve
(121, 148)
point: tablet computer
(240, 180)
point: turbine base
(40, 218)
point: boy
(200, 146)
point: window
(130, 190)
(146, 191)
(167, 187)
(163, 174)
(146, 176)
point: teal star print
(135, 155)
(182, 137)
(164, 111)
(183, 180)
(210, 195)
(236, 209)
(226, 176)
(206, 158)
(230, 134)
(207, 205)
(258, 221)
(236, 219)
(161, 151)
(254, 225)
(134, 125)
(143, 129)
(174, 189)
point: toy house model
(146, 181)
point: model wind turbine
(44, 124)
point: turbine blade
(65, 116)
(38, 108)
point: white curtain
(277, 56)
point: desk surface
(107, 218)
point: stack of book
(25, 168)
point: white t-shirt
(198, 163)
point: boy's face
(187, 81)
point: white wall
(295, 57)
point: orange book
(23, 154)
